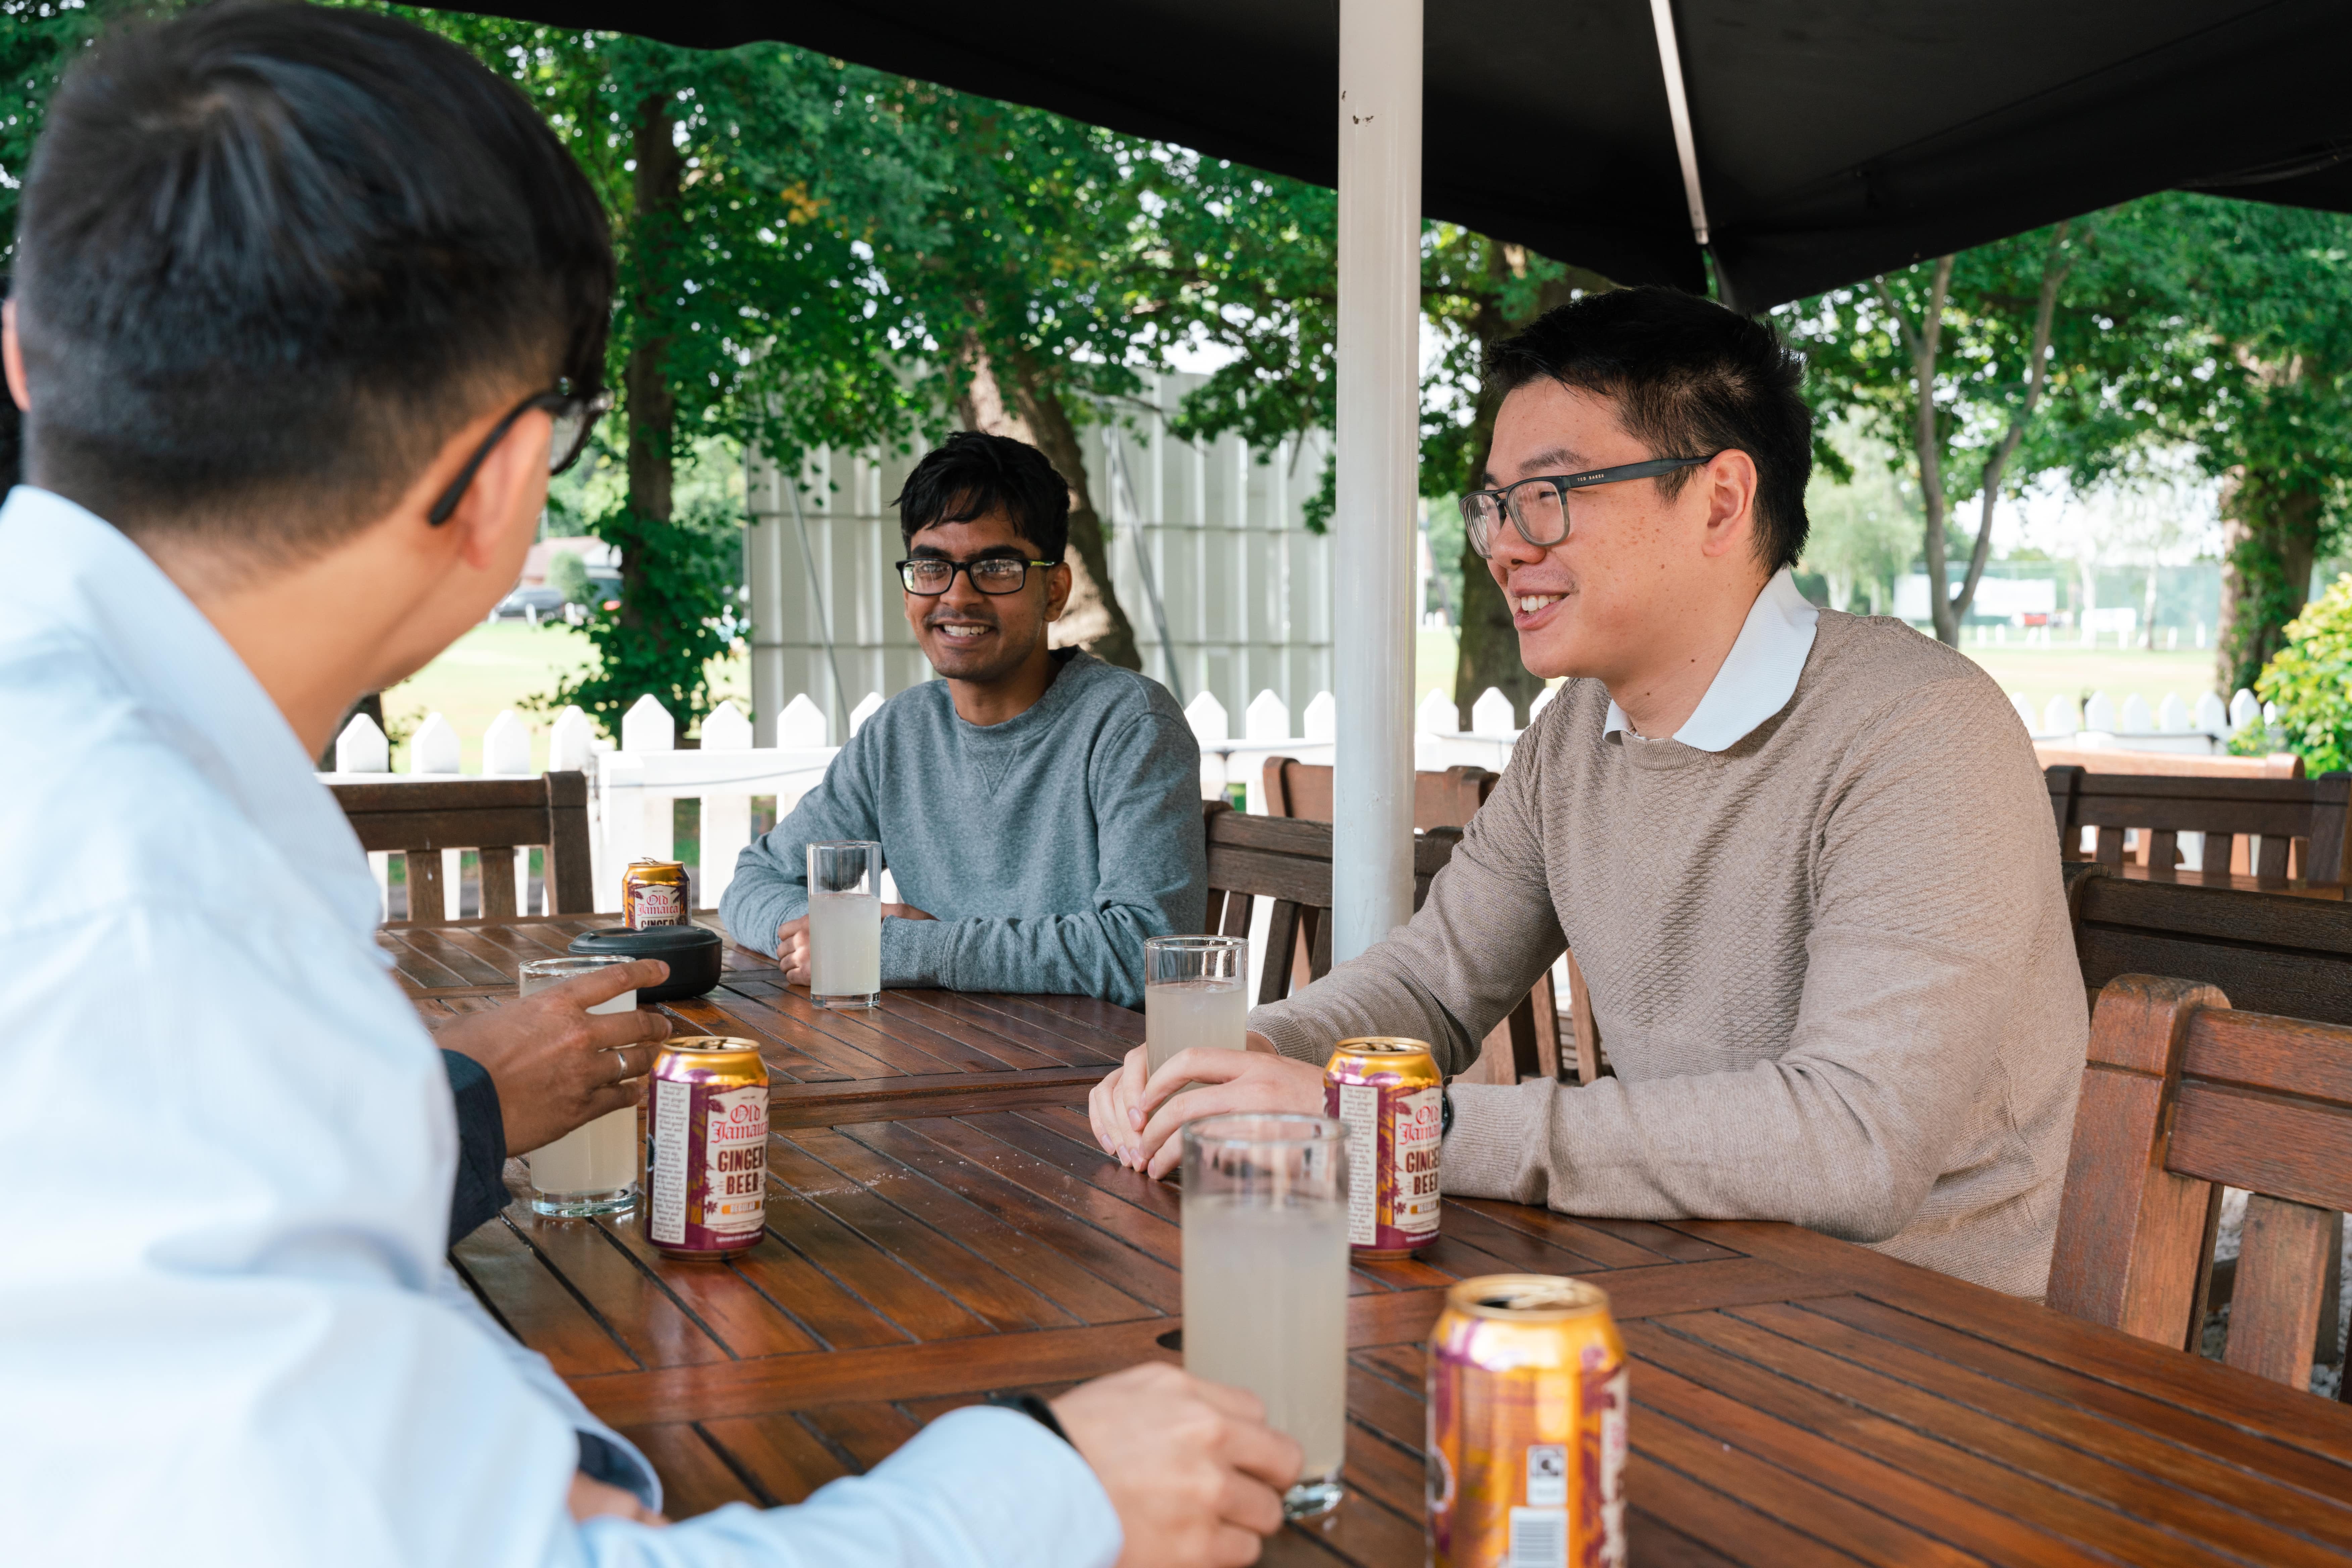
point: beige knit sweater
(1832, 967)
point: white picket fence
(2206, 728)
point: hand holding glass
(1195, 993)
(844, 924)
(591, 1170)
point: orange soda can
(1526, 1426)
(1390, 1095)
(653, 893)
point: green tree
(1249, 260)
(568, 576)
(2310, 679)
(1866, 527)
(1957, 365)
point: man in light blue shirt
(308, 306)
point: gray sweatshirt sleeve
(770, 883)
(1144, 784)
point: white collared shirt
(1759, 675)
(227, 1333)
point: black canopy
(1835, 138)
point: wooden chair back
(2269, 952)
(2182, 1095)
(1445, 799)
(1528, 1042)
(2300, 822)
(494, 818)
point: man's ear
(507, 493)
(1058, 583)
(12, 354)
(1728, 483)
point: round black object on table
(692, 952)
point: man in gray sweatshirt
(1039, 809)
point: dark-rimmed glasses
(997, 575)
(1539, 508)
(574, 415)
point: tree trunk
(2053, 276)
(652, 406)
(1094, 620)
(1924, 344)
(2270, 541)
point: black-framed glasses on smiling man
(1538, 507)
(931, 576)
(573, 414)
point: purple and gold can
(1526, 1425)
(1391, 1096)
(707, 1148)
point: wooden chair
(2181, 1095)
(2300, 822)
(494, 818)
(1289, 861)
(1448, 799)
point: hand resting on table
(1136, 1113)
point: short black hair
(1689, 378)
(972, 474)
(271, 256)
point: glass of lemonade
(1195, 993)
(844, 924)
(590, 1169)
(1266, 1278)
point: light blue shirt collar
(1759, 675)
(69, 567)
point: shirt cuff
(479, 1190)
(918, 952)
(607, 1459)
(1499, 1133)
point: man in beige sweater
(1805, 859)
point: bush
(678, 583)
(2311, 681)
(567, 575)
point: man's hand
(1138, 1121)
(1193, 1470)
(591, 1498)
(792, 943)
(556, 1066)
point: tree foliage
(2310, 679)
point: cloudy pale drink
(844, 943)
(1266, 1309)
(590, 1169)
(1181, 1013)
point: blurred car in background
(520, 604)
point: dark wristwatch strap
(1036, 1409)
(1445, 1106)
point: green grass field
(500, 664)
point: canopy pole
(1670, 61)
(1379, 456)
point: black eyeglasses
(1538, 507)
(996, 574)
(574, 415)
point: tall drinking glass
(1195, 993)
(844, 924)
(590, 1169)
(1266, 1278)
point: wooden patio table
(941, 1225)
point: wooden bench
(2300, 823)
(2182, 1095)
(1448, 800)
(418, 818)
(2268, 953)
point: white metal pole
(764, 565)
(1378, 456)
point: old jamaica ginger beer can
(1389, 1095)
(653, 893)
(706, 1148)
(1526, 1426)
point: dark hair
(1689, 378)
(972, 474)
(271, 256)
